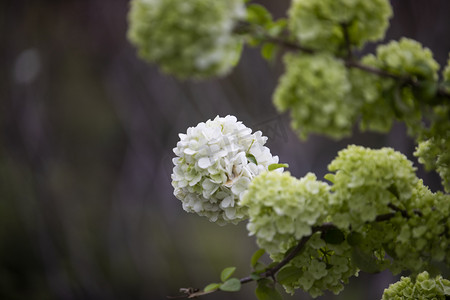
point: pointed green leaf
(211, 287)
(266, 291)
(277, 166)
(231, 285)
(226, 273)
(256, 256)
(276, 28)
(251, 158)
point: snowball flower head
(214, 164)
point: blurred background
(87, 129)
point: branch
(349, 61)
(193, 293)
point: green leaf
(330, 177)
(251, 158)
(289, 274)
(231, 285)
(226, 273)
(275, 28)
(365, 261)
(266, 291)
(333, 236)
(211, 287)
(277, 166)
(256, 256)
(354, 238)
(268, 51)
(258, 14)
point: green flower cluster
(434, 153)
(317, 91)
(187, 38)
(423, 288)
(394, 99)
(320, 24)
(366, 181)
(283, 209)
(423, 237)
(320, 266)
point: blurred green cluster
(320, 24)
(187, 38)
(316, 89)
(423, 288)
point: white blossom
(214, 164)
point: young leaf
(231, 285)
(266, 291)
(256, 256)
(268, 51)
(226, 273)
(277, 27)
(277, 166)
(251, 158)
(258, 14)
(211, 287)
(289, 274)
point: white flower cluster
(215, 163)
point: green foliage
(320, 266)
(282, 209)
(422, 288)
(265, 290)
(231, 285)
(363, 182)
(226, 273)
(188, 39)
(376, 214)
(316, 90)
(320, 24)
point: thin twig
(193, 293)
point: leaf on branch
(256, 256)
(365, 261)
(269, 51)
(211, 287)
(226, 273)
(258, 14)
(265, 290)
(231, 285)
(288, 275)
(277, 166)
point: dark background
(87, 131)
